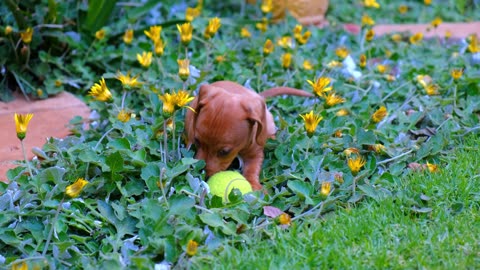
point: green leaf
(366, 137)
(120, 144)
(52, 175)
(216, 221)
(302, 189)
(98, 13)
(180, 205)
(369, 191)
(115, 162)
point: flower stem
(103, 137)
(259, 73)
(165, 145)
(25, 158)
(45, 249)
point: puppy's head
(225, 124)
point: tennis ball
(222, 183)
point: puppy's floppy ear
(205, 94)
(261, 119)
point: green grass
(386, 234)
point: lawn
(386, 177)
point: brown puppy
(231, 120)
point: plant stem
(103, 137)
(162, 173)
(45, 249)
(25, 158)
(259, 73)
(165, 145)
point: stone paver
(50, 119)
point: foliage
(429, 220)
(146, 202)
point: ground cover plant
(126, 192)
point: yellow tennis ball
(222, 183)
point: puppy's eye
(224, 152)
(196, 142)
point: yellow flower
(168, 103)
(183, 68)
(342, 112)
(153, 32)
(245, 33)
(424, 80)
(436, 22)
(338, 177)
(427, 2)
(192, 247)
(220, 58)
(403, 9)
(448, 34)
(311, 122)
(128, 36)
(58, 83)
(22, 266)
(342, 52)
(267, 6)
(417, 38)
(299, 37)
(145, 59)
(351, 150)
(432, 167)
(8, 30)
(302, 39)
(457, 73)
(39, 92)
(332, 99)
(396, 37)
(285, 42)
(192, 13)
(371, 3)
(128, 81)
(473, 44)
(100, 91)
(367, 20)
(263, 25)
(268, 47)
(297, 31)
(326, 188)
(284, 219)
(27, 35)
(123, 116)
(159, 47)
(379, 114)
(382, 68)
(379, 148)
(431, 89)
(355, 164)
(100, 34)
(307, 65)
(185, 31)
(182, 98)
(369, 35)
(76, 188)
(390, 77)
(334, 64)
(212, 27)
(363, 61)
(21, 124)
(286, 60)
(320, 86)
